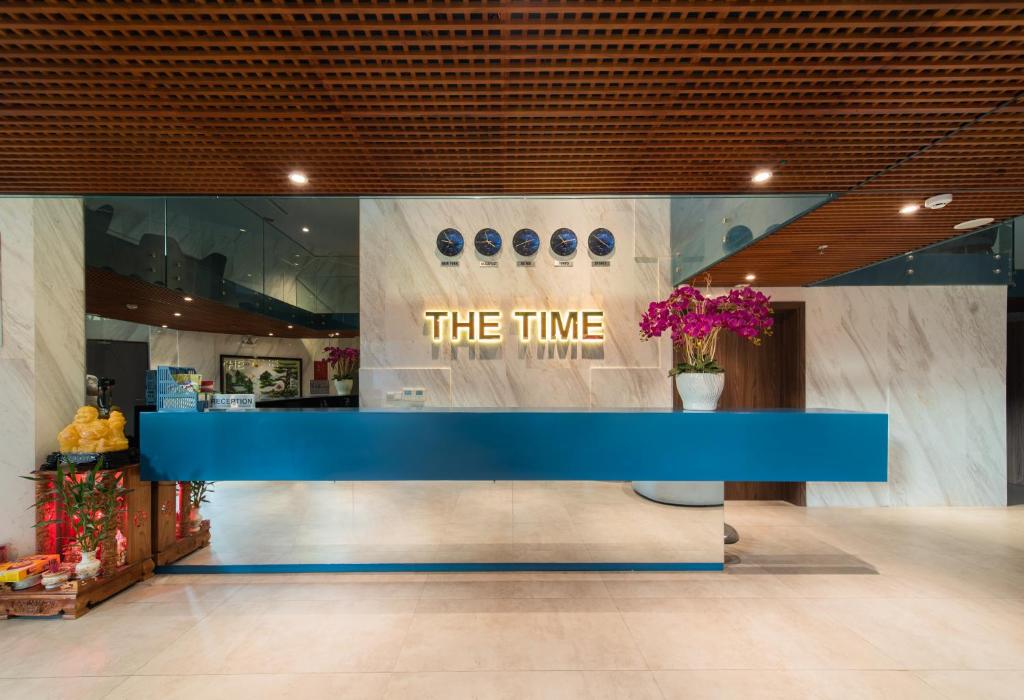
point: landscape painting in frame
(267, 377)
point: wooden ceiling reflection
(111, 295)
(534, 97)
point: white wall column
(42, 353)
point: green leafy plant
(88, 499)
(198, 490)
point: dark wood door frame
(771, 375)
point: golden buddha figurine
(90, 433)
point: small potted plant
(197, 493)
(694, 321)
(90, 504)
(345, 362)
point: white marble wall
(42, 355)
(401, 277)
(934, 359)
(203, 350)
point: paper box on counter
(14, 571)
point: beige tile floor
(452, 521)
(819, 603)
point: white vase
(195, 521)
(343, 387)
(683, 493)
(88, 567)
(700, 391)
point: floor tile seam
(881, 653)
(636, 642)
(124, 679)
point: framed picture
(265, 377)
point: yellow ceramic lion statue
(90, 433)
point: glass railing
(985, 257)
(708, 229)
(294, 259)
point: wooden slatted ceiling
(535, 97)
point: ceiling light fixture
(751, 277)
(909, 208)
(298, 178)
(270, 334)
(131, 307)
(163, 325)
(290, 327)
(974, 223)
(761, 176)
(938, 201)
(305, 229)
(177, 313)
(187, 298)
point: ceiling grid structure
(533, 98)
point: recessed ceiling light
(163, 325)
(305, 229)
(298, 178)
(761, 176)
(938, 201)
(131, 307)
(290, 327)
(974, 223)
(177, 313)
(909, 208)
(187, 298)
(270, 334)
(751, 277)
(242, 230)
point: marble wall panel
(934, 358)
(42, 355)
(401, 277)
(375, 383)
(203, 350)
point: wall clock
(449, 243)
(487, 242)
(563, 242)
(601, 242)
(526, 242)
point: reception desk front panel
(626, 445)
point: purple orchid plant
(695, 320)
(345, 361)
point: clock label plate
(449, 263)
(563, 263)
(488, 263)
(524, 263)
(601, 263)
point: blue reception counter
(508, 444)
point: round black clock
(601, 242)
(449, 243)
(487, 242)
(526, 242)
(563, 242)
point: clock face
(487, 242)
(526, 242)
(563, 242)
(449, 243)
(601, 242)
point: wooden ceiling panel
(536, 97)
(111, 295)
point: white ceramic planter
(700, 391)
(195, 520)
(343, 387)
(88, 567)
